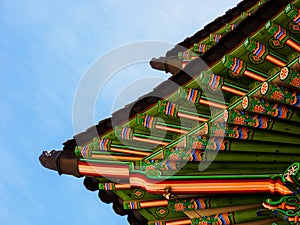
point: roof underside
(236, 92)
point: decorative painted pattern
(255, 59)
(168, 108)
(102, 144)
(261, 106)
(206, 142)
(230, 131)
(293, 13)
(215, 37)
(201, 48)
(235, 65)
(86, 151)
(290, 77)
(183, 154)
(285, 203)
(293, 56)
(230, 27)
(275, 44)
(277, 31)
(190, 94)
(161, 212)
(157, 223)
(125, 133)
(160, 164)
(280, 94)
(213, 81)
(294, 27)
(107, 186)
(97, 144)
(146, 120)
(287, 207)
(274, 71)
(137, 193)
(131, 205)
(176, 154)
(249, 119)
(291, 178)
(220, 219)
(189, 204)
(258, 49)
(186, 55)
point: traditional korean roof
(221, 144)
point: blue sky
(45, 49)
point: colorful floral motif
(231, 131)
(249, 119)
(220, 219)
(189, 204)
(206, 142)
(280, 94)
(261, 106)
(176, 154)
(161, 164)
(290, 76)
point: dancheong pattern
(206, 142)
(290, 77)
(280, 94)
(258, 49)
(277, 31)
(189, 204)
(184, 154)
(187, 155)
(231, 131)
(201, 48)
(249, 119)
(168, 108)
(293, 13)
(262, 106)
(235, 65)
(213, 81)
(125, 133)
(146, 120)
(190, 94)
(220, 219)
